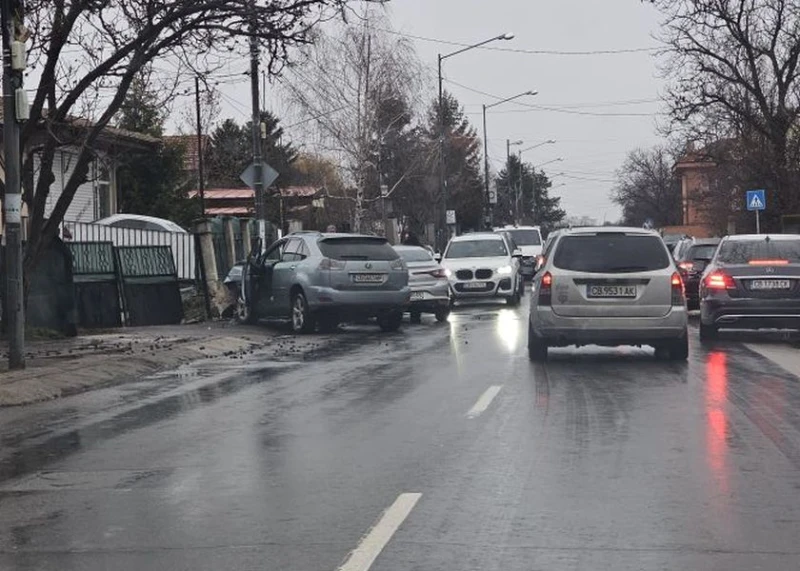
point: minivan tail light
(546, 289)
(678, 293)
(329, 264)
(718, 281)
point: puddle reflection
(717, 419)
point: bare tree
(86, 54)
(734, 71)
(647, 188)
(343, 87)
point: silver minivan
(608, 286)
(313, 278)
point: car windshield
(611, 253)
(357, 248)
(415, 255)
(476, 249)
(526, 237)
(746, 251)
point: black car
(692, 260)
(753, 282)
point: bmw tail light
(719, 281)
(546, 289)
(686, 266)
(678, 293)
(398, 265)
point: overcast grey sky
(599, 106)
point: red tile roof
(188, 142)
(226, 193)
(229, 211)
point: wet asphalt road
(602, 459)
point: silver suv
(313, 278)
(608, 286)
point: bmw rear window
(611, 253)
(746, 251)
(415, 255)
(357, 248)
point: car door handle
(292, 267)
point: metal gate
(94, 268)
(150, 285)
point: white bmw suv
(484, 265)
(608, 286)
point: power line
(525, 51)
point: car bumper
(497, 287)
(361, 302)
(429, 297)
(750, 313)
(562, 331)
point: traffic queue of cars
(319, 280)
(604, 286)
(627, 286)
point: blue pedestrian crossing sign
(756, 200)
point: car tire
(708, 333)
(679, 349)
(390, 322)
(514, 300)
(522, 287)
(244, 313)
(442, 314)
(301, 319)
(416, 317)
(537, 348)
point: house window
(104, 197)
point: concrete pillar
(244, 223)
(220, 298)
(295, 226)
(230, 241)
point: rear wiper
(628, 269)
(353, 257)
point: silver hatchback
(608, 286)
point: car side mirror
(516, 253)
(438, 257)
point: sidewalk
(61, 367)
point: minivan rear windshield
(526, 237)
(611, 253)
(746, 251)
(476, 249)
(357, 249)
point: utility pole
(519, 191)
(200, 179)
(258, 165)
(487, 217)
(442, 234)
(13, 94)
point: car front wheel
(244, 313)
(302, 321)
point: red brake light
(546, 289)
(719, 280)
(686, 266)
(678, 294)
(768, 262)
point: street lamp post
(487, 201)
(442, 174)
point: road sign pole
(758, 222)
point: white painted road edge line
(484, 402)
(371, 545)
